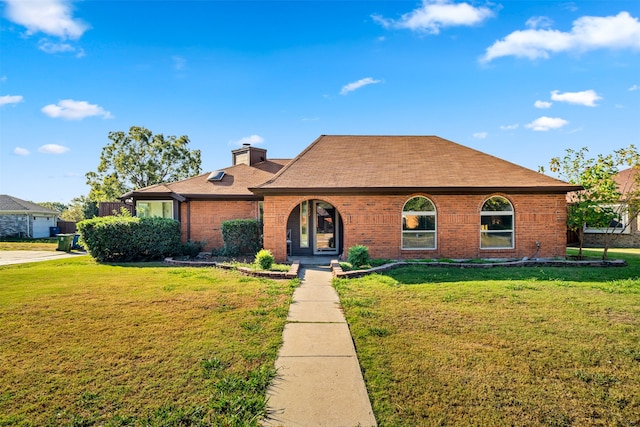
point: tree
(139, 159)
(56, 206)
(80, 208)
(602, 202)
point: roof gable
(403, 162)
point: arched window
(419, 224)
(496, 224)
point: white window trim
(493, 213)
(433, 213)
(603, 230)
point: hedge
(125, 239)
(241, 237)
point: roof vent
(216, 176)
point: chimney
(248, 155)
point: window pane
(499, 204)
(496, 222)
(419, 204)
(418, 222)
(496, 240)
(154, 209)
(304, 224)
(412, 240)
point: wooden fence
(108, 208)
(66, 227)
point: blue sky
(521, 80)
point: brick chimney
(248, 155)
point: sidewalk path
(21, 257)
(319, 381)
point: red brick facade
(201, 220)
(375, 221)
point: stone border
(339, 273)
(291, 274)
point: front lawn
(138, 345)
(535, 346)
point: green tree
(56, 206)
(601, 203)
(80, 208)
(139, 159)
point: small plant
(264, 259)
(358, 256)
(191, 248)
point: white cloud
(252, 139)
(52, 17)
(588, 33)
(3, 79)
(545, 123)
(510, 127)
(75, 110)
(539, 22)
(48, 46)
(53, 149)
(634, 88)
(542, 104)
(19, 151)
(10, 99)
(480, 135)
(586, 97)
(357, 85)
(436, 14)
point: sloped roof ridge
(293, 161)
(25, 205)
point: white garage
(21, 218)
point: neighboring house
(628, 230)
(20, 218)
(402, 196)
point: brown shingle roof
(388, 163)
(235, 182)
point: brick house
(627, 229)
(402, 196)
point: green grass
(136, 345)
(552, 346)
(29, 245)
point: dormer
(248, 155)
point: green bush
(241, 237)
(192, 248)
(264, 259)
(358, 256)
(126, 239)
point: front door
(325, 228)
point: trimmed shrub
(192, 248)
(264, 259)
(126, 239)
(241, 237)
(358, 256)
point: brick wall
(375, 221)
(201, 220)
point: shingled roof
(10, 204)
(234, 184)
(344, 163)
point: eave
(430, 190)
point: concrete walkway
(319, 381)
(22, 257)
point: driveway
(21, 257)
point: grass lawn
(29, 245)
(136, 345)
(503, 346)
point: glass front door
(325, 228)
